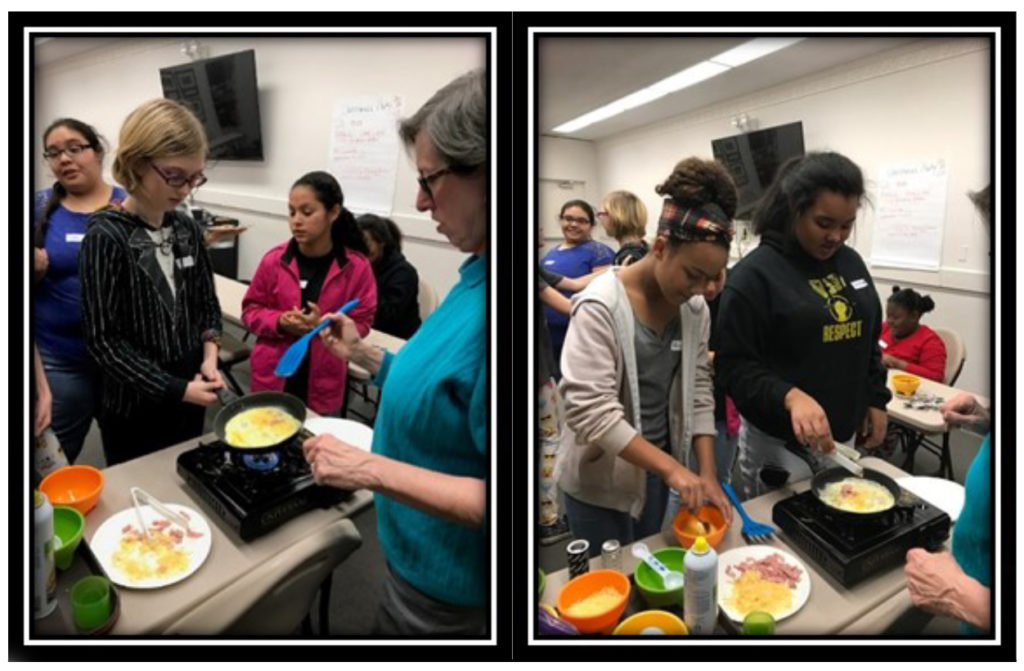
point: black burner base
(257, 497)
(851, 551)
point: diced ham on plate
(773, 568)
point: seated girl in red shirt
(907, 344)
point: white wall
(927, 100)
(299, 80)
(566, 170)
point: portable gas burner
(254, 493)
(850, 550)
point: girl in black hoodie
(797, 336)
(398, 284)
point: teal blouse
(433, 414)
(972, 533)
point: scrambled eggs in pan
(260, 427)
(857, 495)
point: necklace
(166, 241)
(163, 239)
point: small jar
(611, 555)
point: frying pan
(234, 405)
(825, 477)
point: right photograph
(763, 335)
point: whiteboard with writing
(910, 215)
(364, 151)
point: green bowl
(541, 581)
(68, 525)
(650, 584)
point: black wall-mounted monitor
(222, 93)
(753, 159)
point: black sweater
(398, 289)
(787, 319)
(147, 342)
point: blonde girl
(152, 320)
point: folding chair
(956, 355)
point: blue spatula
(294, 355)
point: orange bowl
(583, 586)
(687, 531)
(905, 383)
(76, 486)
(652, 622)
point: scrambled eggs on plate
(159, 556)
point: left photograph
(257, 319)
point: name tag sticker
(74, 237)
(859, 284)
(303, 283)
(882, 344)
(677, 345)
(549, 262)
(186, 262)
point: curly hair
(696, 181)
(911, 301)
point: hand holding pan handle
(225, 395)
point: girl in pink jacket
(322, 266)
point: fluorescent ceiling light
(680, 80)
(716, 65)
(752, 50)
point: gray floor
(963, 447)
(356, 583)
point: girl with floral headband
(639, 410)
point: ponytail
(344, 229)
(345, 233)
(57, 194)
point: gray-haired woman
(428, 466)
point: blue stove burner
(262, 462)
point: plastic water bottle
(44, 571)
(700, 598)
(48, 453)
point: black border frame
(499, 47)
(860, 647)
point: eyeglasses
(426, 180)
(575, 220)
(601, 214)
(72, 150)
(177, 181)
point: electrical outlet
(963, 254)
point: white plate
(946, 495)
(739, 555)
(353, 433)
(107, 539)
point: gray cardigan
(602, 399)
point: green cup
(90, 602)
(758, 623)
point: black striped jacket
(142, 336)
